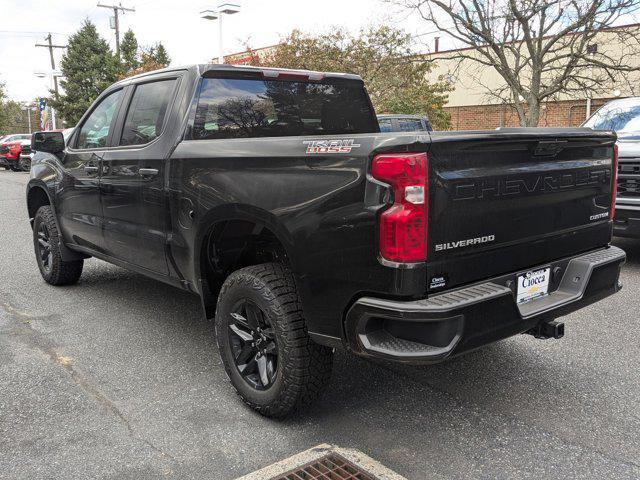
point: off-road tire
(60, 272)
(303, 367)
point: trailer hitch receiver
(546, 330)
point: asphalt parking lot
(118, 377)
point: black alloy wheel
(45, 255)
(254, 345)
(263, 342)
(46, 243)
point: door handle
(90, 169)
(148, 172)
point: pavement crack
(37, 340)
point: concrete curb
(355, 456)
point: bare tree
(540, 48)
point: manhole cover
(329, 467)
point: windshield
(621, 116)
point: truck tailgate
(507, 200)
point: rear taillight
(403, 226)
(614, 182)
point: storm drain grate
(328, 467)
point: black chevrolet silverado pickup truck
(273, 196)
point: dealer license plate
(533, 284)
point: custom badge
(330, 146)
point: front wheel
(46, 239)
(263, 341)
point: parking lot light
(217, 14)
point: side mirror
(51, 142)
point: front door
(132, 183)
(78, 201)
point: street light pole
(28, 109)
(220, 50)
(52, 77)
(217, 14)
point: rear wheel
(46, 239)
(267, 353)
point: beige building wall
(472, 81)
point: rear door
(79, 209)
(505, 201)
(132, 183)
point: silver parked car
(623, 117)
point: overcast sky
(177, 24)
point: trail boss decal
(330, 146)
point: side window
(385, 125)
(410, 124)
(95, 130)
(147, 111)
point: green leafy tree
(88, 66)
(12, 115)
(397, 79)
(130, 59)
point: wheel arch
(39, 195)
(240, 235)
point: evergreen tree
(159, 55)
(88, 66)
(129, 58)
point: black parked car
(404, 123)
(272, 195)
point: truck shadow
(366, 401)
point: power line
(29, 33)
(116, 10)
(51, 46)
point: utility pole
(51, 46)
(116, 10)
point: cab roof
(266, 72)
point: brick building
(564, 113)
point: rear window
(243, 108)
